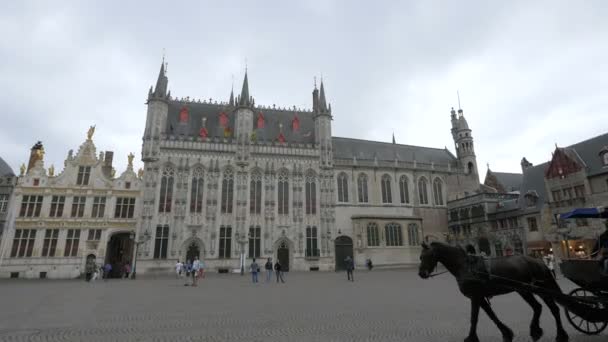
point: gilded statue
(91, 132)
(140, 173)
(22, 169)
(52, 171)
(130, 158)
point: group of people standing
(194, 270)
(268, 267)
(93, 271)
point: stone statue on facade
(51, 171)
(22, 170)
(90, 132)
(130, 158)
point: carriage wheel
(580, 324)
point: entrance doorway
(484, 246)
(283, 256)
(119, 253)
(193, 252)
(344, 248)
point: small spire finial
(458, 95)
(315, 78)
(393, 137)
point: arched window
(255, 193)
(393, 235)
(404, 190)
(311, 193)
(227, 191)
(166, 190)
(362, 188)
(386, 189)
(196, 191)
(412, 234)
(605, 158)
(373, 237)
(283, 193)
(422, 192)
(470, 168)
(342, 187)
(438, 191)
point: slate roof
(270, 132)
(589, 150)
(510, 181)
(347, 148)
(534, 181)
(5, 170)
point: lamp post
(145, 238)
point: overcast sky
(530, 73)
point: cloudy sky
(530, 73)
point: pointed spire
(161, 83)
(231, 102)
(322, 101)
(245, 99)
(393, 138)
(315, 98)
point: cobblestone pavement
(383, 305)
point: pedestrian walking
(90, 268)
(178, 268)
(255, 268)
(268, 267)
(127, 269)
(350, 266)
(106, 271)
(279, 271)
(201, 269)
(95, 274)
(195, 267)
(369, 264)
(550, 262)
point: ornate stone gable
(562, 164)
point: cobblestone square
(383, 305)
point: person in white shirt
(178, 269)
(196, 266)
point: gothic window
(71, 243)
(255, 193)
(311, 194)
(125, 207)
(57, 203)
(283, 193)
(254, 242)
(196, 191)
(404, 192)
(422, 191)
(362, 188)
(342, 187)
(470, 168)
(393, 234)
(438, 191)
(225, 242)
(162, 241)
(3, 203)
(311, 242)
(373, 236)
(78, 203)
(386, 189)
(23, 243)
(412, 234)
(99, 207)
(30, 206)
(49, 244)
(227, 191)
(166, 190)
(84, 173)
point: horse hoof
(536, 333)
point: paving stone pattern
(383, 305)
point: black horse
(494, 280)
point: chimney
(36, 154)
(107, 164)
(525, 164)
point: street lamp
(145, 238)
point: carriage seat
(479, 265)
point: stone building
(232, 179)
(61, 220)
(7, 184)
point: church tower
(322, 118)
(463, 140)
(244, 121)
(156, 120)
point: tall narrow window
(412, 234)
(311, 194)
(404, 191)
(438, 191)
(162, 241)
(78, 206)
(422, 192)
(373, 236)
(311, 242)
(57, 203)
(342, 187)
(125, 207)
(3, 203)
(30, 206)
(225, 242)
(196, 191)
(84, 173)
(71, 243)
(49, 245)
(254, 241)
(23, 243)
(386, 189)
(498, 249)
(532, 225)
(227, 191)
(393, 235)
(518, 246)
(362, 188)
(94, 235)
(283, 193)
(166, 190)
(255, 193)
(99, 207)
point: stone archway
(343, 248)
(119, 252)
(283, 248)
(191, 248)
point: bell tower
(463, 141)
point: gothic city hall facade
(233, 179)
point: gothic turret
(322, 118)
(463, 140)
(244, 122)
(156, 119)
(244, 99)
